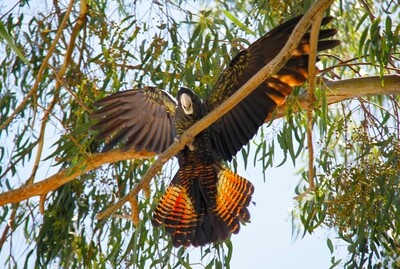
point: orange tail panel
(176, 212)
(234, 195)
(197, 220)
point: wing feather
(158, 136)
(139, 119)
(240, 133)
(251, 112)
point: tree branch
(97, 160)
(340, 90)
(311, 94)
(336, 91)
(67, 175)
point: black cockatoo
(206, 202)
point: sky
(267, 242)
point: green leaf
(388, 25)
(330, 245)
(195, 34)
(362, 42)
(238, 23)
(4, 35)
(324, 112)
(363, 18)
(375, 29)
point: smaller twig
(35, 86)
(311, 94)
(9, 225)
(41, 203)
(41, 137)
(135, 210)
(347, 63)
(9, 11)
(367, 7)
(75, 31)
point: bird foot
(189, 144)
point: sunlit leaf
(5, 36)
(238, 23)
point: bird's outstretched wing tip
(272, 91)
(140, 119)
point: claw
(190, 146)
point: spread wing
(138, 119)
(233, 130)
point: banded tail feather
(194, 216)
(234, 195)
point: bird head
(188, 101)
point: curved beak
(187, 104)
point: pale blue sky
(267, 241)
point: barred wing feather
(138, 119)
(234, 130)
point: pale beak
(187, 104)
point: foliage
(44, 108)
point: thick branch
(52, 183)
(336, 91)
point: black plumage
(205, 201)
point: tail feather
(176, 211)
(234, 195)
(191, 218)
